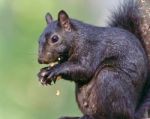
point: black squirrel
(109, 65)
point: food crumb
(57, 93)
(53, 64)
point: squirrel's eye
(54, 39)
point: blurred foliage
(21, 96)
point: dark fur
(109, 65)
(128, 17)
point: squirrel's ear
(48, 18)
(64, 21)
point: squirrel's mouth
(58, 61)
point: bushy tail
(128, 17)
(134, 16)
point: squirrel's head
(55, 41)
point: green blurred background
(21, 22)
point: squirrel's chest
(86, 97)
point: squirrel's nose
(42, 61)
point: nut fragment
(57, 93)
(59, 77)
(53, 64)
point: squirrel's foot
(69, 118)
(84, 117)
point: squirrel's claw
(54, 79)
(47, 76)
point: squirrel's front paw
(46, 76)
